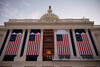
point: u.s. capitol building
(49, 42)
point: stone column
(3, 52)
(96, 43)
(25, 49)
(41, 47)
(55, 45)
(71, 49)
(94, 54)
(18, 58)
(77, 51)
(3, 37)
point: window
(9, 58)
(59, 37)
(61, 56)
(13, 37)
(79, 30)
(87, 56)
(64, 56)
(32, 38)
(31, 57)
(78, 37)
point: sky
(64, 9)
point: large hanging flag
(63, 47)
(13, 44)
(83, 44)
(33, 46)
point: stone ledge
(78, 60)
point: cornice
(96, 27)
(36, 23)
(50, 23)
(2, 28)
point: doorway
(48, 45)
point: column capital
(42, 29)
(67, 29)
(73, 30)
(86, 30)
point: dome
(49, 17)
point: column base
(96, 57)
(72, 57)
(1, 58)
(39, 58)
(77, 57)
(20, 58)
(56, 57)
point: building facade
(49, 42)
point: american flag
(83, 44)
(63, 47)
(33, 46)
(13, 44)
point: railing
(74, 59)
(23, 20)
(36, 20)
(86, 60)
(74, 20)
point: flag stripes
(63, 47)
(13, 46)
(84, 46)
(33, 47)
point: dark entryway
(48, 45)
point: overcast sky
(34, 9)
